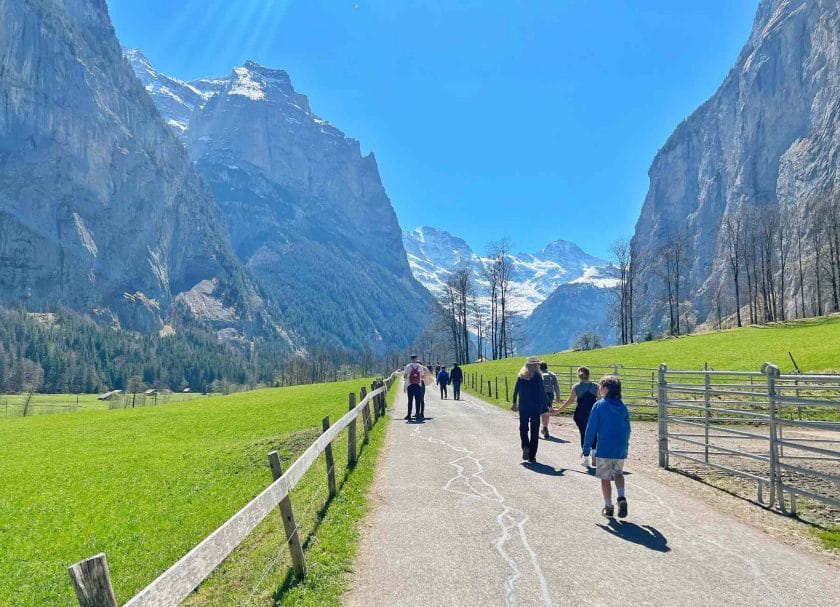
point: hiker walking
(414, 376)
(610, 421)
(442, 382)
(585, 392)
(530, 400)
(552, 393)
(456, 377)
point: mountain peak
(257, 82)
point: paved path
(460, 520)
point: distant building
(150, 392)
(112, 395)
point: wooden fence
(91, 579)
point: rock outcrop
(101, 210)
(769, 137)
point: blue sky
(529, 120)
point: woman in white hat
(530, 398)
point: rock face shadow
(644, 535)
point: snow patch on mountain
(434, 255)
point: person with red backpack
(414, 377)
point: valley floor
(459, 519)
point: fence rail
(91, 579)
(770, 444)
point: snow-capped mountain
(305, 211)
(175, 99)
(434, 254)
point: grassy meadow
(11, 405)
(814, 343)
(146, 485)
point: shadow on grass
(644, 535)
(291, 581)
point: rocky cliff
(769, 137)
(306, 211)
(101, 210)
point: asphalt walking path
(459, 519)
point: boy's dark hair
(612, 385)
(583, 372)
(543, 366)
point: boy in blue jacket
(610, 423)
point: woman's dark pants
(581, 424)
(529, 419)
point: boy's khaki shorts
(607, 468)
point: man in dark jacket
(456, 377)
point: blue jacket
(443, 377)
(610, 422)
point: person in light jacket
(530, 400)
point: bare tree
(620, 253)
(671, 258)
(499, 274)
(734, 235)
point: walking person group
(603, 421)
(416, 375)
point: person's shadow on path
(554, 439)
(644, 535)
(543, 469)
(418, 421)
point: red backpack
(414, 375)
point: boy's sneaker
(583, 461)
(608, 511)
(622, 507)
(525, 453)
(545, 432)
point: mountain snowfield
(434, 255)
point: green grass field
(146, 485)
(41, 404)
(813, 342)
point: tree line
(67, 353)
(781, 262)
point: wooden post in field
(92, 582)
(481, 385)
(289, 524)
(489, 389)
(497, 388)
(325, 425)
(351, 433)
(366, 422)
(507, 394)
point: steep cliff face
(100, 208)
(770, 136)
(307, 214)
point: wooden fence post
(507, 394)
(481, 385)
(707, 403)
(366, 422)
(497, 388)
(489, 389)
(92, 582)
(289, 524)
(351, 433)
(325, 424)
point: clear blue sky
(529, 120)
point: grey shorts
(607, 468)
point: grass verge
(142, 485)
